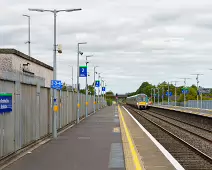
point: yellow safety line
(131, 144)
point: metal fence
(31, 118)
(204, 104)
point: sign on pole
(5, 102)
(83, 71)
(169, 94)
(97, 83)
(186, 91)
(103, 88)
(56, 84)
(204, 90)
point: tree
(109, 93)
(64, 88)
(83, 91)
(90, 90)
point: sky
(131, 41)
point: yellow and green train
(140, 101)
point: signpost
(83, 71)
(169, 94)
(185, 90)
(97, 83)
(56, 84)
(5, 102)
(204, 90)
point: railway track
(189, 144)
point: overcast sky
(132, 41)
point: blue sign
(83, 71)
(97, 83)
(186, 91)
(5, 102)
(170, 93)
(56, 84)
(103, 88)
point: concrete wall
(13, 63)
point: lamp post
(184, 92)
(78, 85)
(175, 84)
(162, 94)
(102, 92)
(72, 78)
(54, 120)
(29, 41)
(86, 88)
(168, 94)
(154, 95)
(151, 93)
(98, 89)
(94, 85)
(197, 78)
(158, 95)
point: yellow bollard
(56, 109)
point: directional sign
(204, 90)
(5, 102)
(170, 93)
(56, 84)
(186, 91)
(83, 71)
(97, 83)
(103, 88)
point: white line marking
(171, 159)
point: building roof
(22, 55)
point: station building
(17, 66)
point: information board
(83, 71)
(5, 102)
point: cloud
(131, 42)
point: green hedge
(109, 102)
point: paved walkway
(94, 144)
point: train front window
(141, 98)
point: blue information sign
(170, 93)
(97, 83)
(186, 91)
(83, 71)
(5, 102)
(56, 84)
(103, 88)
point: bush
(109, 102)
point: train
(139, 101)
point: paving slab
(94, 144)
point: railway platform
(196, 111)
(108, 139)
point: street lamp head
(26, 15)
(38, 10)
(82, 43)
(80, 52)
(71, 10)
(89, 56)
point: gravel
(186, 156)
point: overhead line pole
(197, 78)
